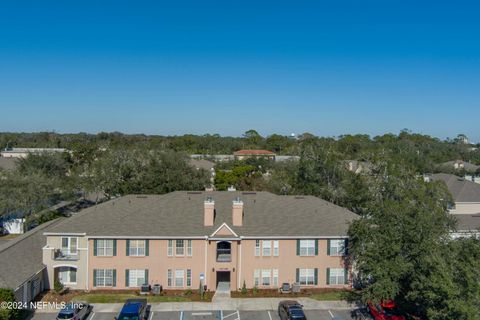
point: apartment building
(183, 240)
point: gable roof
(180, 214)
(462, 190)
(467, 166)
(468, 222)
(22, 257)
(253, 152)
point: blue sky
(158, 67)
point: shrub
(255, 290)
(188, 292)
(7, 295)
(244, 288)
(58, 286)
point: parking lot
(214, 315)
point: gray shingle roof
(21, 258)
(467, 166)
(180, 213)
(8, 163)
(468, 222)
(462, 190)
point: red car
(385, 311)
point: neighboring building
(181, 240)
(22, 269)
(7, 163)
(205, 165)
(24, 152)
(231, 157)
(466, 196)
(460, 165)
(246, 154)
(357, 166)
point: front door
(223, 277)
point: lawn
(121, 297)
(328, 296)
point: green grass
(328, 296)
(121, 297)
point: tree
(7, 295)
(398, 245)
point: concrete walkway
(247, 304)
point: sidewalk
(246, 304)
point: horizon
(168, 69)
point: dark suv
(290, 310)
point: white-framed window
(67, 275)
(276, 249)
(337, 276)
(170, 248)
(179, 248)
(169, 277)
(257, 248)
(70, 245)
(189, 277)
(307, 276)
(275, 277)
(307, 247)
(179, 277)
(337, 247)
(189, 248)
(266, 277)
(256, 277)
(104, 277)
(266, 248)
(136, 248)
(104, 247)
(136, 277)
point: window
(189, 277)
(104, 277)
(136, 248)
(336, 276)
(67, 275)
(179, 248)
(136, 277)
(276, 250)
(104, 247)
(69, 245)
(267, 248)
(189, 248)
(337, 247)
(256, 277)
(266, 274)
(179, 276)
(170, 248)
(307, 247)
(275, 277)
(307, 276)
(169, 277)
(257, 248)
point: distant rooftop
(253, 152)
(462, 190)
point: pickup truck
(134, 309)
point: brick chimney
(208, 212)
(237, 212)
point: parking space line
(269, 315)
(331, 314)
(92, 315)
(151, 315)
(181, 315)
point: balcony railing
(63, 255)
(224, 255)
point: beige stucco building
(183, 240)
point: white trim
(64, 265)
(88, 267)
(292, 237)
(226, 225)
(148, 237)
(64, 234)
(224, 239)
(239, 266)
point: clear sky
(175, 67)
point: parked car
(291, 310)
(386, 310)
(134, 309)
(75, 311)
(361, 314)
